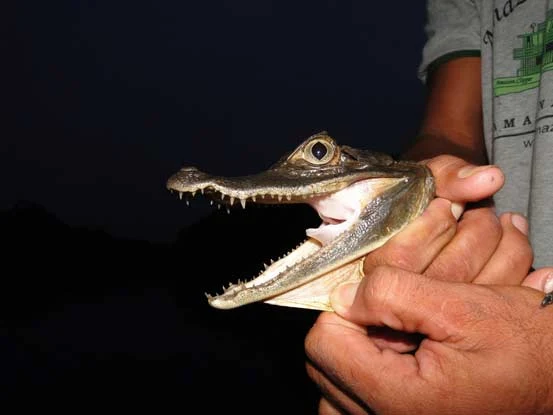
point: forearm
(452, 123)
(427, 145)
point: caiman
(363, 198)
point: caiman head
(363, 198)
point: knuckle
(449, 268)
(312, 342)
(397, 252)
(401, 256)
(443, 220)
(382, 285)
(484, 219)
(448, 225)
(520, 254)
(316, 344)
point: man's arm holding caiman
(451, 138)
(435, 243)
(452, 122)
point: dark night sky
(104, 100)
(101, 101)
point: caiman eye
(319, 152)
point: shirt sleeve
(452, 30)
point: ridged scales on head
(363, 198)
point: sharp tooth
(218, 206)
(262, 196)
(187, 202)
(265, 265)
(180, 195)
(243, 203)
(211, 202)
(279, 198)
(289, 197)
(194, 193)
(253, 198)
(228, 210)
(231, 200)
(272, 260)
(202, 190)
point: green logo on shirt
(535, 56)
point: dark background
(104, 270)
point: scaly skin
(370, 194)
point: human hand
(479, 248)
(486, 349)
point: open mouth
(363, 198)
(340, 212)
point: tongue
(340, 209)
(337, 211)
(326, 233)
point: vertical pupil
(319, 150)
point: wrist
(427, 146)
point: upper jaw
(265, 188)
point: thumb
(401, 300)
(460, 181)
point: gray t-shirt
(515, 40)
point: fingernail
(470, 170)
(457, 209)
(548, 286)
(342, 297)
(520, 223)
